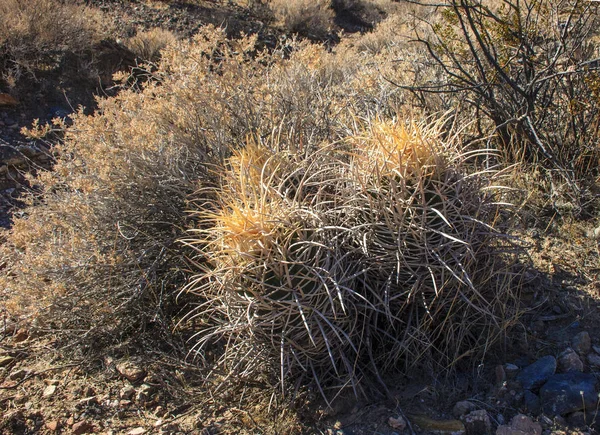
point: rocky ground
(543, 381)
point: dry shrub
(36, 31)
(147, 45)
(341, 265)
(311, 18)
(94, 251)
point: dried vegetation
(315, 213)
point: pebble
(130, 371)
(463, 407)
(534, 375)
(532, 403)
(126, 392)
(137, 431)
(593, 360)
(49, 391)
(82, 427)
(18, 374)
(569, 361)
(477, 423)
(568, 392)
(520, 425)
(53, 425)
(397, 423)
(511, 370)
(581, 343)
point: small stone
(137, 431)
(569, 361)
(534, 375)
(477, 423)
(581, 343)
(49, 391)
(532, 403)
(500, 375)
(70, 421)
(126, 392)
(593, 360)
(87, 401)
(511, 371)
(546, 421)
(82, 427)
(463, 407)
(520, 425)
(131, 371)
(6, 360)
(17, 375)
(397, 423)
(568, 392)
(53, 425)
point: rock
(593, 360)
(6, 360)
(131, 371)
(87, 401)
(82, 427)
(477, 423)
(568, 392)
(137, 431)
(594, 234)
(500, 375)
(127, 392)
(49, 391)
(53, 425)
(532, 403)
(17, 375)
(534, 375)
(569, 361)
(463, 407)
(397, 423)
(511, 371)
(8, 100)
(520, 425)
(144, 393)
(582, 343)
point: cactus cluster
(375, 253)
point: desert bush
(366, 255)
(147, 45)
(524, 69)
(312, 18)
(35, 32)
(95, 249)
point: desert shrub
(147, 45)
(524, 70)
(312, 18)
(95, 249)
(363, 256)
(36, 32)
